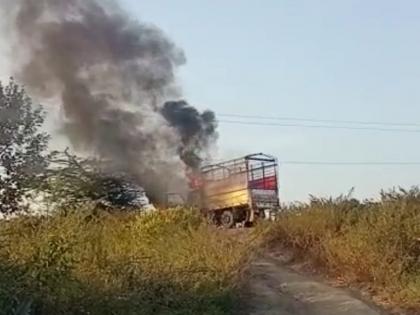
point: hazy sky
(316, 59)
(346, 60)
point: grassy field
(376, 244)
(167, 263)
(173, 263)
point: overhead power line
(324, 163)
(329, 121)
(278, 124)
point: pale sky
(329, 59)
(316, 59)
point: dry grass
(372, 243)
(167, 263)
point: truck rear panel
(263, 182)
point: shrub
(164, 263)
(377, 243)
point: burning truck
(237, 191)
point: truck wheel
(227, 219)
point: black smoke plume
(111, 75)
(197, 130)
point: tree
(72, 181)
(23, 158)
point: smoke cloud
(197, 130)
(113, 78)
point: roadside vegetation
(82, 259)
(370, 244)
(79, 263)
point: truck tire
(227, 219)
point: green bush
(164, 263)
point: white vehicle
(127, 196)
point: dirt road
(277, 290)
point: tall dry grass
(166, 263)
(374, 243)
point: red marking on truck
(266, 183)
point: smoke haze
(115, 79)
